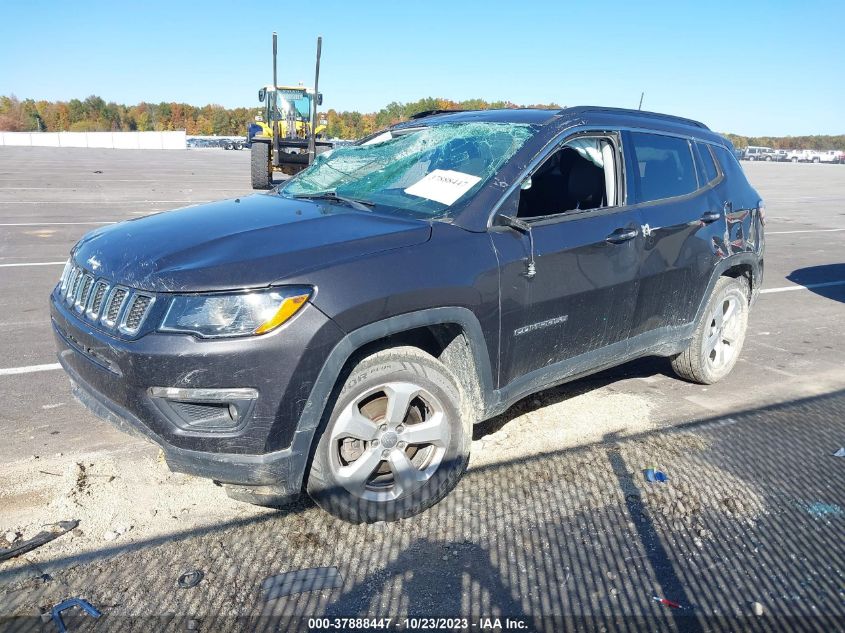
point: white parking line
(10, 371)
(825, 284)
(32, 264)
(52, 223)
(804, 231)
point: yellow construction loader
(286, 135)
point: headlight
(241, 314)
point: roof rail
(425, 113)
(630, 112)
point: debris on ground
(69, 604)
(653, 475)
(757, 608)
(666, 602)
(301, 581)
(820, 510)
(190, 579)
(55, 531)
(840, 452)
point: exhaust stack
(312, 137)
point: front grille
(114, 307)
(118, 296)
(73, 287)
(84, 293)
(136, 312)
(100, 289)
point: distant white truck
(803, 156)
(835, 156)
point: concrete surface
(571, 531)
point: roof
(589, 114)
(510, 115)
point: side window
(708, 165)
(580, 176)
(665, 168)
(730, 166)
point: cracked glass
(419, 172)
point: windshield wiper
(361, 205)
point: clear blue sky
(751, 67)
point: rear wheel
(718, 338)
(261, 169)
(397, 441)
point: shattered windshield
(421, 172)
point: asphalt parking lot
(553, 519)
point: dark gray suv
(343, 333)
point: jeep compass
(341, 334)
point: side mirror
(262, 94)
(526, 184)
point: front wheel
(718, 338)
(397, 441)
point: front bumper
(112, 378)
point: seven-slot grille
(100, 302)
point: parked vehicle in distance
(342, 334)
(753, 152)
(233, 144)
(780, 155)
(834, 156)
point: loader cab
(289, 107)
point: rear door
(674, 182)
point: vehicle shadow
(571, 539)
(827, 280)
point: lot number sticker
(443, 185)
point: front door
(574, 305)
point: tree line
(95, 114)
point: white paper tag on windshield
(443, 185)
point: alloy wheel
(389, 441)
(724, 332)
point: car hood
(242, 243)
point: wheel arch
(453, 335)
(740, 265)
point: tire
(794, 160)
(703, 362)
(262, 172)
(360, 431)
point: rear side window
(708, 166)
(730, 167)
(665, 167)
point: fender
(318, 399)
(738, 259)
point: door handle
(711, 216)
(621, 235)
